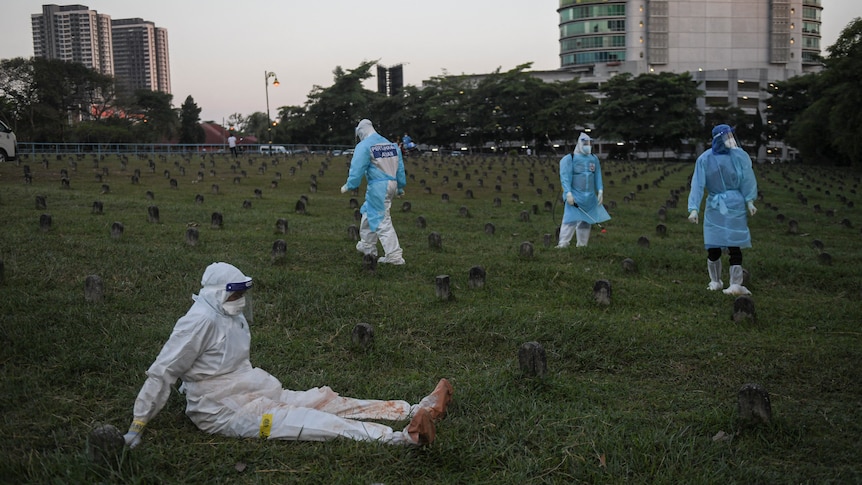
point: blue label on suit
(384, 151)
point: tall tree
(191, 130)
(650, 110)
(157, 118)
(335, 111)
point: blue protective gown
(378, 172)
(582, 176)
(728, 178)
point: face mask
(730, 143)
(588, 149)
(234, 307)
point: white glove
(570, 199)
(600, 196)
(344, 188)
(133, 437)
(400, 192)
(751, 209)
(692, 217)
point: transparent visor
(246, 296)
(728, 138)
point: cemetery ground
(641, 390)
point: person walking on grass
(581, 180)
(381, 163)
(725, 172)
(209, 351)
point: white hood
(364, 129)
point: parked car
(8, 143)
(348, 152)
(273, 149)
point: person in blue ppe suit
(381, 163)
(209, 351)
(725, 172)
(581, 180)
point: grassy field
(643, 390)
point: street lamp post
(266, 76)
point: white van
(273, 149)
(8, 143)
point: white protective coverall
(209, 351)
(581, 179)
(381, 163)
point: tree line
(819, 114)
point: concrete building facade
(736, 50)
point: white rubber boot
(714, 268)
(736, 287)
(566, 233)
(583, 235)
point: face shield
(585, 144)
(238, 299)
(727, 138)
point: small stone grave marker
(442, 287)
(94, 289)
(743, 309)
(353, 232)
(476, 277)
(105, 445)
(435, 241)
(362, 335)
(192, 236)
(602, 292)
(753, 405)
(216, 220)
(532, 359)
(281, 226)
(369, 263)
(279, 250)
(45, 221)
(117, 230)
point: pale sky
(220, 50)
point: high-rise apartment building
(141, 55)
(74, 33)
(133, 51)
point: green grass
(635, 391)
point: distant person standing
(581, 179)
(231, 142)
(381, 163)
(725, 172)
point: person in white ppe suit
(209, 351)
(581, 180)
(725, 172)
(381, 163)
